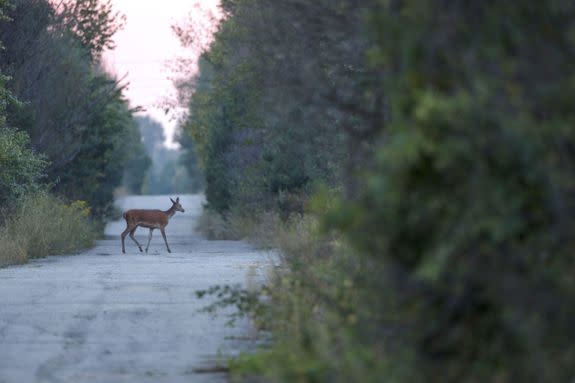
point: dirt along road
(104, 316)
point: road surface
(102, 316)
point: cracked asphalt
(101, 316)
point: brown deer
(151, 219)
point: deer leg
(134, 238)
(124, 233)
(149, 239)
(165, 240)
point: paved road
(106, 317)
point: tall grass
(322, 309)
(264, 230)
(42, 225)
(260, 229)
(303, 301)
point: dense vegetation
(73, 112)
(66, 131)
(430, 147)
(168, 173)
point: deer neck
(170, 212)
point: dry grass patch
(44, 225)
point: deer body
(150, 219)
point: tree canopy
(443, 133)
(77, 120)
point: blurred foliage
(168, 173)
(138, 162)
(41, 225)
(22, 169)
(100, 162)
(250, 112)
(93, 22)
(65, 127)
(73, 112)
(443, 135)
(469, 195)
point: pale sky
(146, 45)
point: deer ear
(172, 200)
(177, 199)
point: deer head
(177, 205)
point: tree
(21, 168)
(445, 129)
(167, 174)
(469, 186)
(93, 22)
(152, 133)
(74, 113)
(256, 116)
(138, 161)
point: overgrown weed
(41, 225)
(318, 308)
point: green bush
(323, 309)
(467, 199)
(42, 225)
(453, 259)
(74, 113)
(21, 167)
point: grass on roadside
(42, 225)
(317, 307)
(258, 229)
(324, 312)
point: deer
(151, 219)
